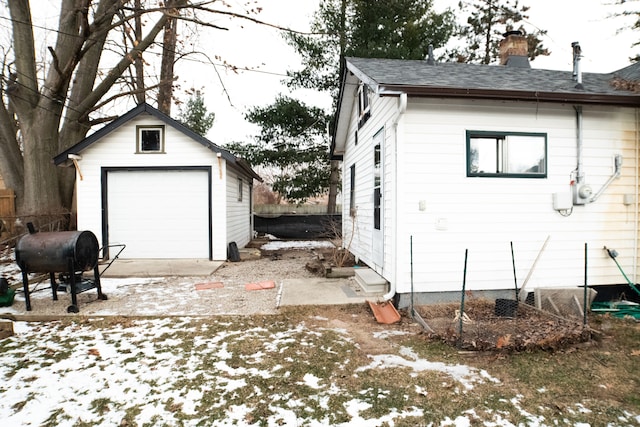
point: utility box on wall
(562, 201)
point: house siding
(118, 149)
(358, 230)
(239, 211)
(485, 215)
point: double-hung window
(506, 154)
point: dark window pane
(150, 140)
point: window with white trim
(364, 109)
(150, 139)
(240, 186)
(506, 154)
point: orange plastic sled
(384, 312)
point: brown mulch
(483, 330)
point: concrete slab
(321, 291)
(369, 280)
(159, 267)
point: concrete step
(370, 281)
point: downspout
(579, 172)
(402, 107)
(636, 213)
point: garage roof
(62, 159)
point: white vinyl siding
(429, 198)
(361, 155)
(485, 215)
(239, 226)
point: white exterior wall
(360, 226)
(432, 201)
(484, 215)
(118, 149)
(239, 226)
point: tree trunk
(41, 191)
(141, 94)
(76, 122)
(334, 179)
(170, 36)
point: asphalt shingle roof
(394, 73)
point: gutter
(402, 108)
(560, 97)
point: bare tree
(48, 103)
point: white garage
(147, 182)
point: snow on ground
(297, 244)
(69, 374)
(188, 372)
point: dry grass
(271, 358)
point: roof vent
(577, 73)
(430, 59)
(514, 50)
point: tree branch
(25, 61)
(103, 87)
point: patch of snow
(465, 375)
(390, 333)
(297, 244)
(312, 381)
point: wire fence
(547, 318)
(501, 324)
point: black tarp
(292, 226)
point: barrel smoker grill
(67, 252)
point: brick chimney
(514, 50)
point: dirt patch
(484, 330)
(360, 323)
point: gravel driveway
(169, 296)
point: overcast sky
(585, 21)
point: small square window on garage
(150, 139)
(504, 154)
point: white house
(150, 183)
(443, 158)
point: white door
(159, 213)
(378, 199)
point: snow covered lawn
(255, 370)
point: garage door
(159, 214)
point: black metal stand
(76, 287)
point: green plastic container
(6, 300)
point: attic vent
(514, 50)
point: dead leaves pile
(482, 330)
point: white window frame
(364, 104)
(140, 130)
